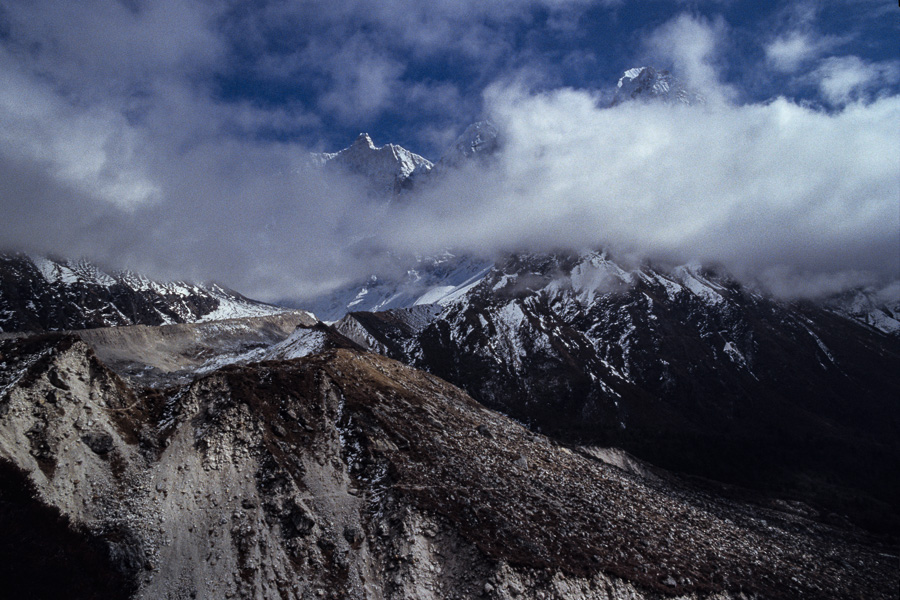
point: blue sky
(414, 74)
(172, 135)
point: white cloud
(102, 45)
(844, 79)
(105, 107)
(693, 46)
(786, 282)
(787, 53)
(94, 150)
(751, 187)
(800, 199)
(364, 83)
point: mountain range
(683, 367)
(39, 293)
(568, 424)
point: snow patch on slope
(439, 280)
(699, 285)
(878, 308)
(302, 342)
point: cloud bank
(753, 187)
(130, 137)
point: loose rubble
(348, 475)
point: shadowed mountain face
(349, 475)
(683, 367)
(42, 555)
(40, 294)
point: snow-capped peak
(386, 167)
(646, 83)
(363, 140)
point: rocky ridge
(168, 354)
(43, 294)
(349, 475)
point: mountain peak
(387, 168)
(647, 83)
(638, 72)
(363, 140)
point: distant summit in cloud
(479, 140)
(386, 169)
(646, 83)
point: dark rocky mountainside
(41, 294)
(349, 475)
(683, 367)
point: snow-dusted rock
(387, 169)
(646, 83)
(39, 293)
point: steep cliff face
(349, 475)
